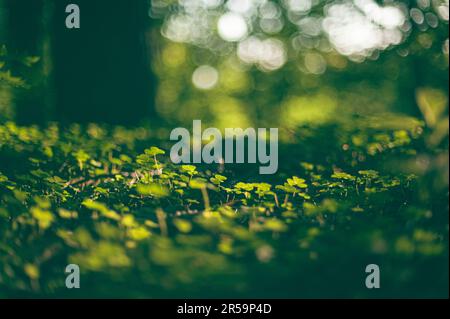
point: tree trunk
(24, 36)
(101, 70)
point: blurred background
(240, 62)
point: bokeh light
(205, 77)
(268, 54)
(361, 27)
(232, 27)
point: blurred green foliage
(139, 226)
(295, 62)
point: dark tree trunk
(24, 37)
(102, 71)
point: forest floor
(109, 200)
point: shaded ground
(138, 226)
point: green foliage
(363, 158)
(131, 219)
